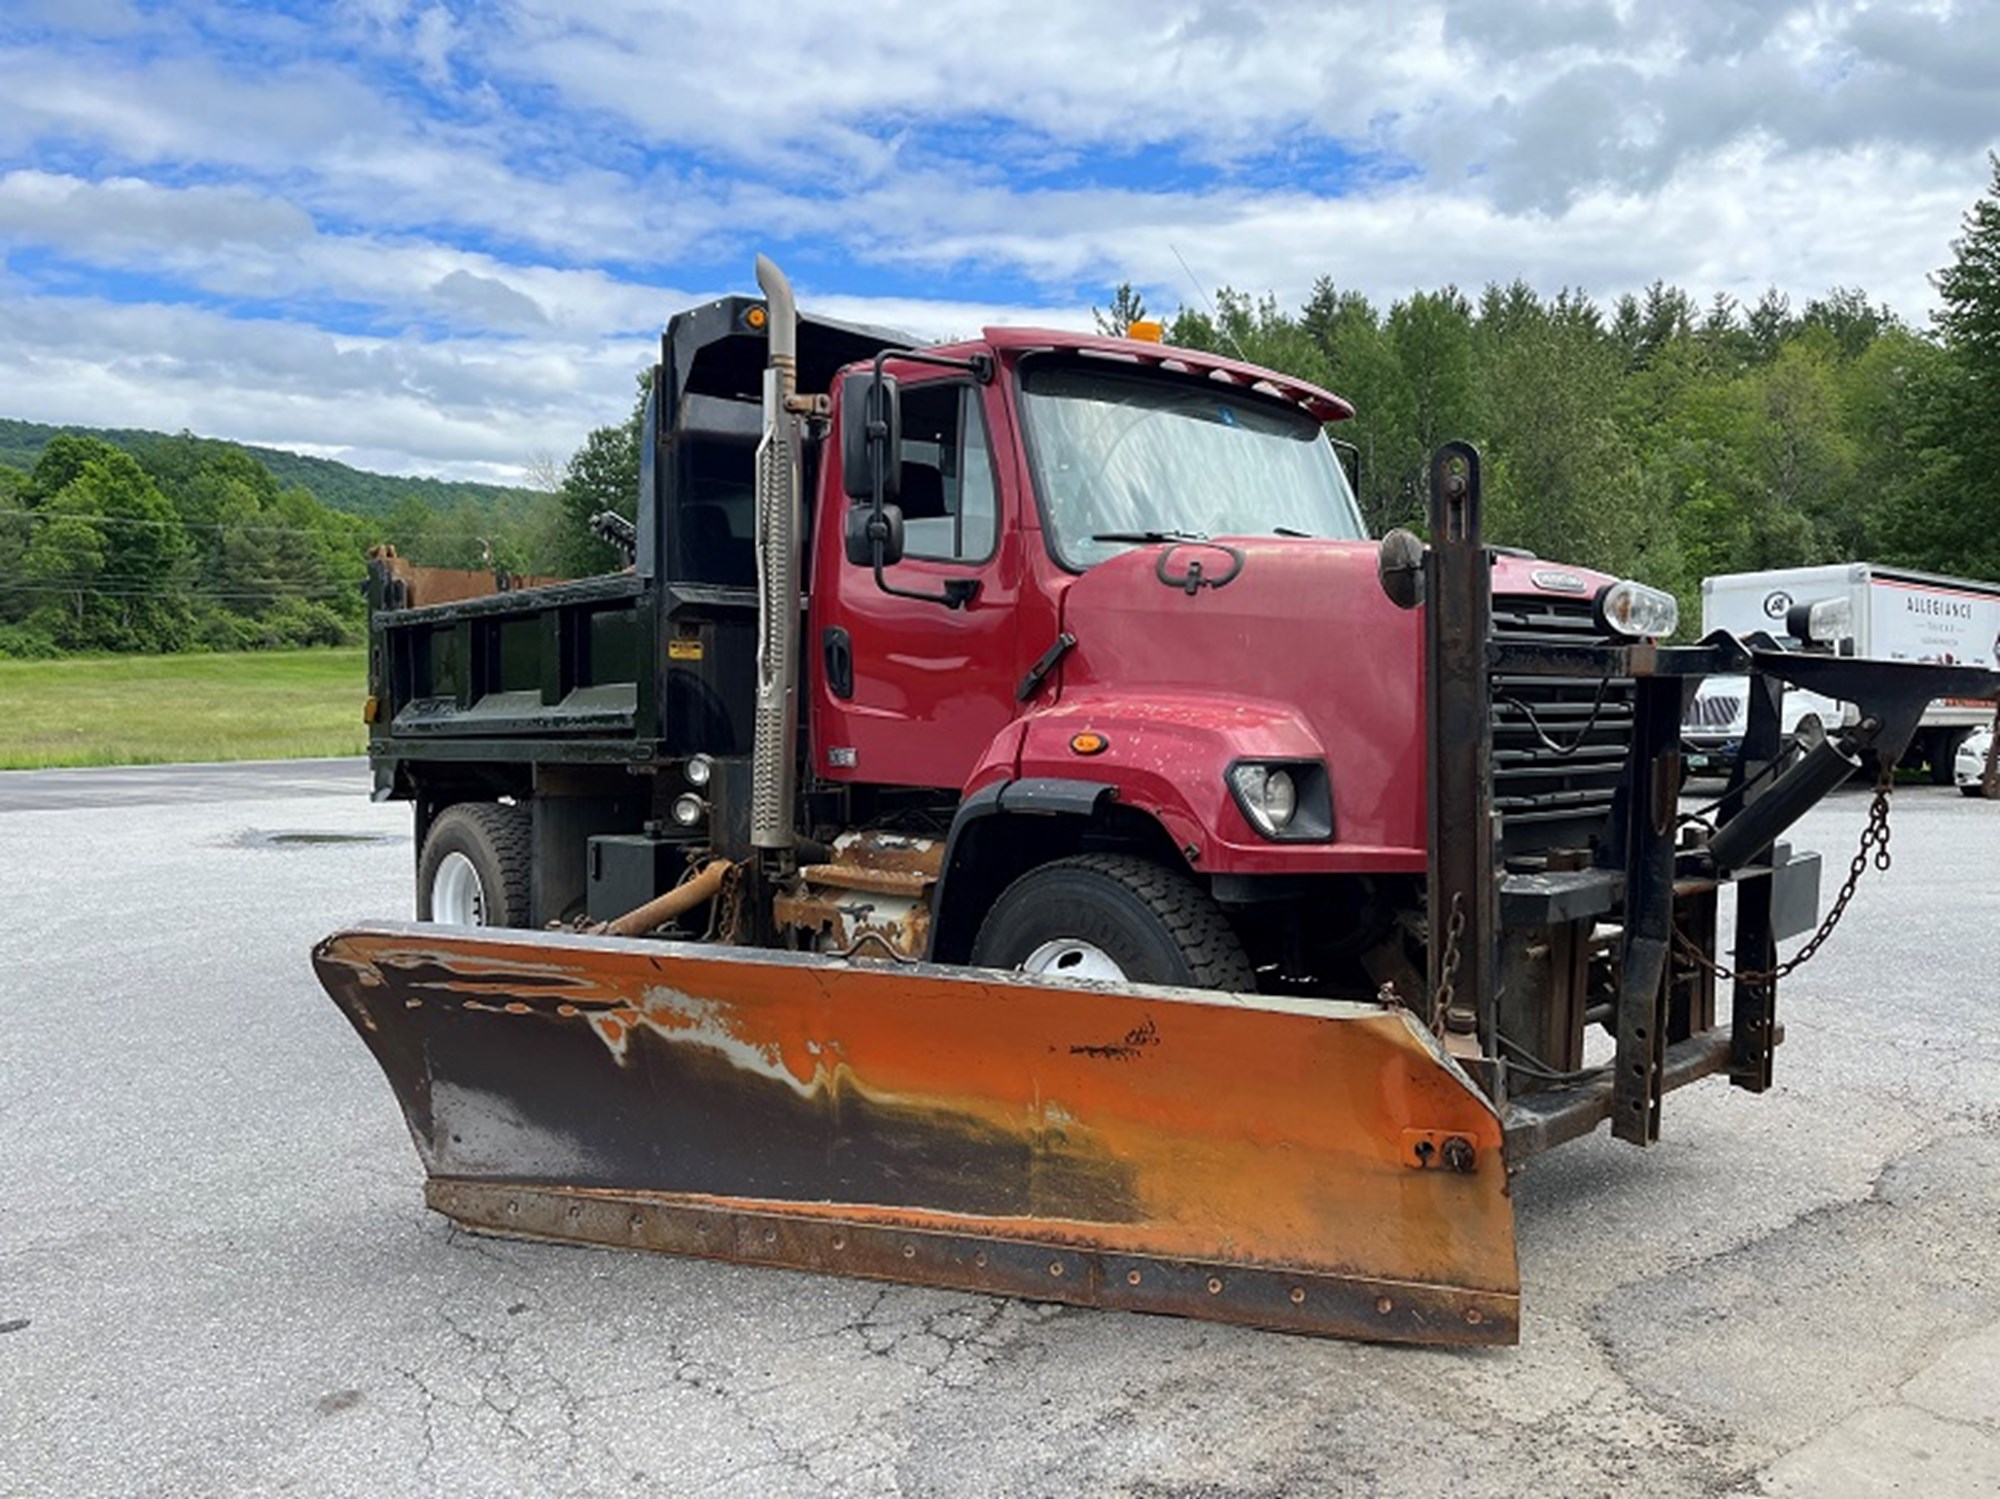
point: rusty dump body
(1246, 1159)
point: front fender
(1168, 757)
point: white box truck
(1892, 614)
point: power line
(117, 590)
(185, 525)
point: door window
(949, 510)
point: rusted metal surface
(703, 885)
(416, 585)
(875, 894)
(1461, 890)
(990, 1262)
(1541, 1121)
(1241, 1150)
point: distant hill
(335, 485)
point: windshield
(1123, 459)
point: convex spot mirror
(1399, 563)
(862, 530)
(869, 407)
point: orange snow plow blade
(1308, 1165)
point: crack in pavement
(1877, 1287)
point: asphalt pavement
(217, 1275)
(144, 785)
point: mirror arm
(957, 592)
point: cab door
(909, 692)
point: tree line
(1663, 438)
(187, 545)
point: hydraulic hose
(703, 885)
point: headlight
(1268, 795)
(1636, 610)
(1823, 622)
(699, 770)
(1284, 800)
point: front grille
(1714, 710)
(1559, 743)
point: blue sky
(439, 237)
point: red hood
(1282, 648)
(1298, 653)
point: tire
(1115, 917)
(1975, 789)
(474, 869)
(1941, 751)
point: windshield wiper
(1143, 536)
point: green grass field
(144, 710)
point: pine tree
(1127, 307)
(1958, 529)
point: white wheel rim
(456, 897)
(1072, 958)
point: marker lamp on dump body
(1638, 611)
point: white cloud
(234, 242)
(442, 406)
(120, 218)
(202, 202)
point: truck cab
(1094, 672)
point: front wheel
(1112, 916)
(474, 869)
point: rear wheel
(1112, 916)
(474, 869)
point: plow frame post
(1462, 889)
(1753, 1011)
(1639, 1076)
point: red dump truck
(1075, 859)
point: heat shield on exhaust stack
(1306, 1165)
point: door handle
(838, 649)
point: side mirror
(871, 436)
(1399, 563)
(863, 532)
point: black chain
(1874, 850)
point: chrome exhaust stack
(774, 744)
